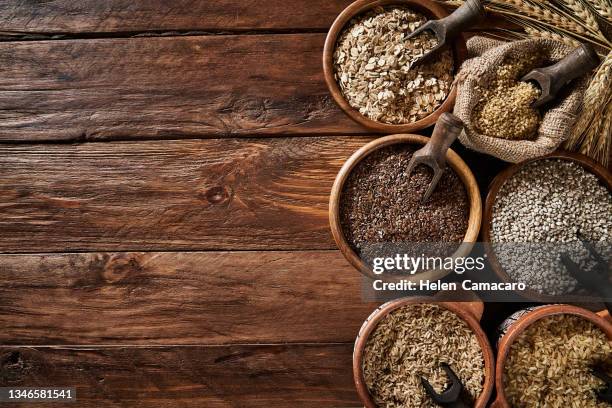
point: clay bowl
(590, 165)
(428, 8)
(601, 319)
(453, 160)
(470, 312)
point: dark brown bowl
(454, 161)
(602, 320)
(590, 165)
(470, 312)
(430, 9)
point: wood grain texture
(87, 16)
(179, 298)
(178, 87)
(194, 195)
(264, 376)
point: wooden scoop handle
(447, 129)
(552, 78)
(577, 63)
(470, 12)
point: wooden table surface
(165, 169)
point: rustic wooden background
(164, 176)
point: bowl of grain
(367, 65)
(546, 355)
(407, 339)
(536, 210)
(373, 202)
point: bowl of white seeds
(540, 209)
(368, 65)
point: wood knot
(12, 360)
(251, 110)
(217, 195)
(119, 267)
(12, 367)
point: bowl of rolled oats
(547, 354)
(368, 65)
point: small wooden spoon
(552, 78)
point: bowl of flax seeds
(373, 202)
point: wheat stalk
(527, 11)
(544, 15)
(572, 18)
(591, 134)
(598, 91)
(525, 8)
(600, 84)
(602, 154)
(590, 139)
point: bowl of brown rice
(546, 355)
(410, 338)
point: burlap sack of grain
(484, 56)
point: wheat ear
(603, 7)
(551, 35)
(540, 13)
(596, 94)
(602, 154)
(583, 14)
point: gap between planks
(7, 36)
(123, 17)
(95, 346)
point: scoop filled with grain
(496, 106)
(405, 340)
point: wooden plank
(179, 298)
(160, 88)
(212, 377)
(179, 87)
(87, 16)
(127, 17)
(172, 195)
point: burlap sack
(484, 56)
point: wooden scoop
(552, 78)
(451, 397)
(433, 154)
(450, 26)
